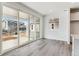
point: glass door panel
(23, 29)
(0, 36)
(37, 28)
(9, 29)
(37, 31)
(32, 28)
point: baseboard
(58, 40)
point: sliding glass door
(23, 28)
(37, 26)
(0, 36)
(9, 28)
(32, 28)
(17, 28)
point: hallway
(43, 47)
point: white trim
(72, 46)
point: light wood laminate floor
(42, 47)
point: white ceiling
(50, 7)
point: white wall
(63, 33)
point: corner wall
(63, 32)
